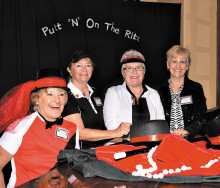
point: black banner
(43, 33)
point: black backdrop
(43, 33)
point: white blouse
(118, 106)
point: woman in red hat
(32, 142)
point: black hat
(153, 130)
(52, 73)
(212, 122)
(78, 55)
(49, 72)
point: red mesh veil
(15, 103)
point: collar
(49, 124)
(178, 92)
(128, 89)
(76, 92)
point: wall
(199, 34)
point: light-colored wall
(199, 35)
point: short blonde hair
(176, 50)
(37, 94)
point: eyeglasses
(131, 69)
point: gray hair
(131, 53)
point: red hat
(15, 103)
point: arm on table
(95, 134)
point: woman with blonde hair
(183, 99)
(32, 142)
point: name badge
(98, 101)
(133, 100)
(62, 133)
(186, 100)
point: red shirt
(35, 148)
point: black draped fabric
(85, 162)
(39, 34)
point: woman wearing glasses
(131, 102)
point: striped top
(176, 115)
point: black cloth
(71, 144)
(90, 118)
(191, 112)
(39, 34)
(140, 111)
(86, 162)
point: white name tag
(186, 100)
(98, 101)
(62, 133)
(133, 100)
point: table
(65, 177)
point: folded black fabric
(86, 162)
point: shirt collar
(40, 116)
(127, 88)
(76, 92)
(171, 90)
(49, 124)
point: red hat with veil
(15, 103)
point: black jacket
(191, 112)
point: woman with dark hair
(32, 142)
(92, 131)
